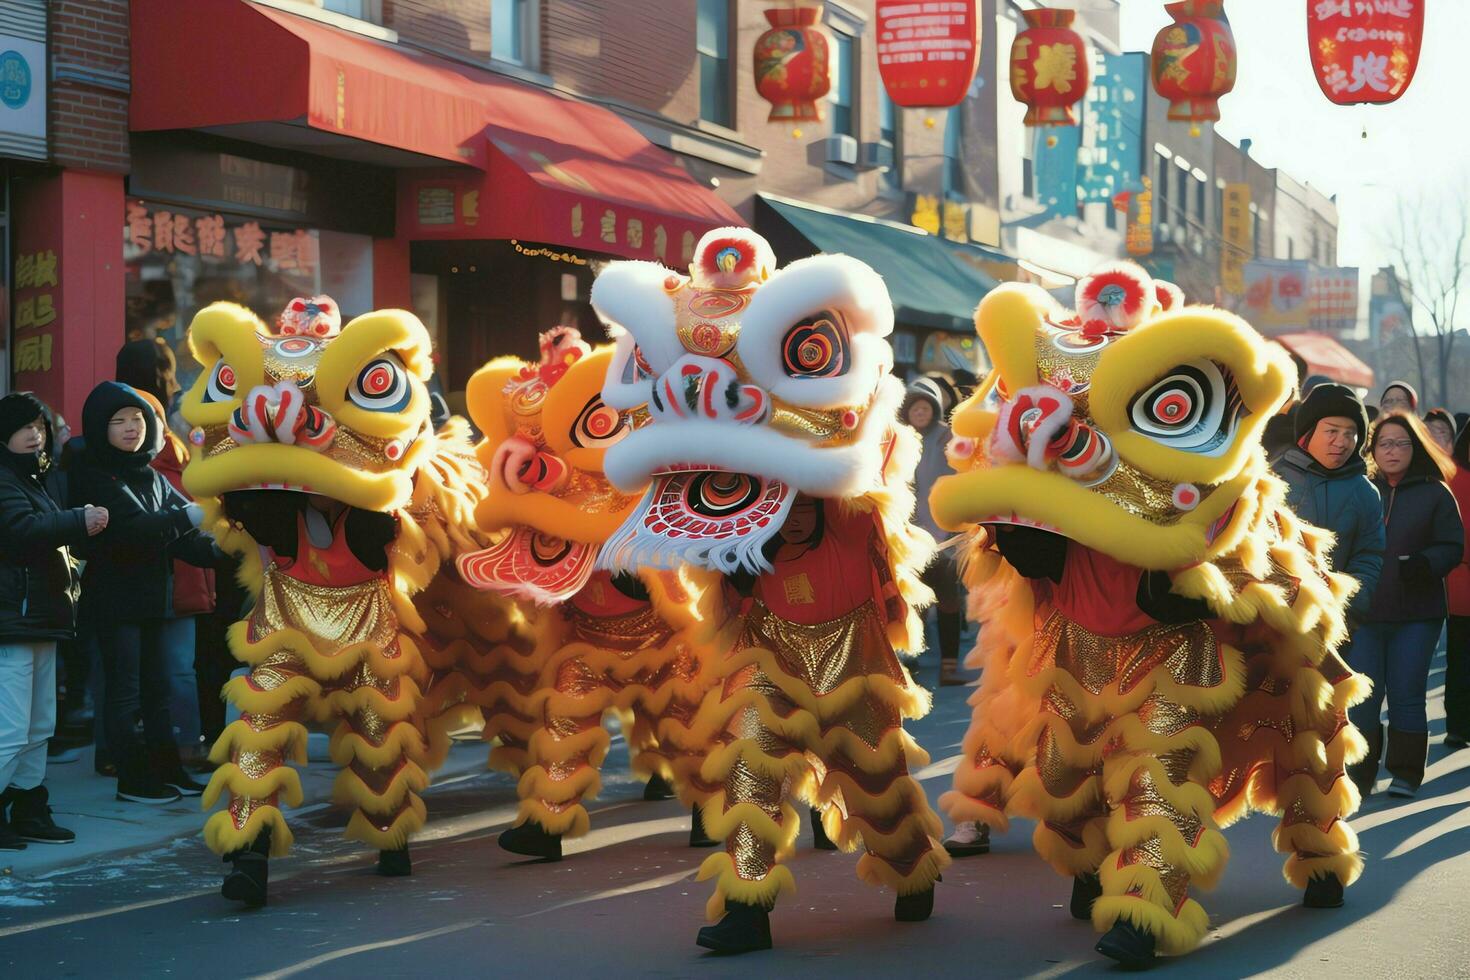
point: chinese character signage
(1364, 50)
(1237, 230)
(1333, 295)
(164, 232)
(1111, 159)
(1140, 239)
(927, 50)
(23, 97)
(36, 282)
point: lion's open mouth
(711, 518)
(285, 519)
(527, 564)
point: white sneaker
(969, 837)
(1402, 788)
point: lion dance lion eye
(1194, 408)
(598, 426)
(817, 347)
(381, 386)
(221, 386)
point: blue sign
(15, 80)
(1056, 168)
(1111, 159)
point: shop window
(954, 152)
(179, 260)
(890, 131)
(367, 10)
(844, 85)
(512, 28)
(712, 40)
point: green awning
(931, 286)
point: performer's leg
(1313, 791)
(1163, 836)
(756, 770)
(381, 749)
(871, 800)
(564, 756)
(252, 753)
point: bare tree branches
(1430, 251)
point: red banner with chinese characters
(1364, 50)
(928, 50)
(36, 280)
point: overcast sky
(1419, 144)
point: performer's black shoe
(697, 836)
(395, 864)
(744, 929)
(968, 840)
(1131, 946)
(249, 872)
(915, 907)
(657, 788)
(531, 840)
(1324, 892)
(1086, 889)
(820, 840)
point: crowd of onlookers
(110, 599)
(1391, 485)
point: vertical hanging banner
(1140, 239)
(928, 50)
(1364, 52)
(1237, 248)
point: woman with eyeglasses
(1394, 646)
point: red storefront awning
(1322, 354)
(547, 168)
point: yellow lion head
(546, 430)
(309, 407)
(1132, 425)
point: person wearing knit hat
(1441, 426)
(1398, 396)
(37, 609)
(127, 586)
(1327, 485)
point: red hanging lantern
(793, 64)
(1364, 52)
(1049, 67)
(927, 57)
(1194, 60)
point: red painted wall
(78, 215)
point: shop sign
(37, 283)
(165, 232)
(1140, 239)
(1276, 294)
(1238, 245)
(1333, 297)
(22, 98)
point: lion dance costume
(624, 643)
(317, 464)
(775, 460)
(1158, 629)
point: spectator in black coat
(127, 587)
(38, 591)
(1393, 646)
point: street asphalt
(624, 902)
